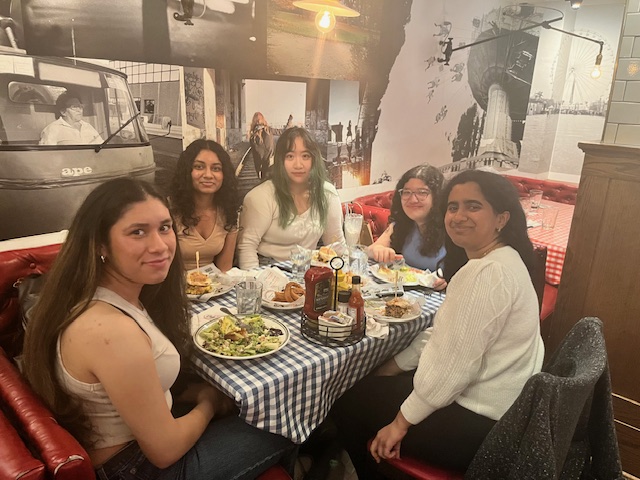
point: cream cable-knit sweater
(485, 342)
(261, 234)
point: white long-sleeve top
(261, 234)
(485, 342)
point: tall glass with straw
(352, 228)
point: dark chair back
(539, 271)
(561, 425)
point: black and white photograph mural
(382, 85)
(463, 87)
(188, 32)
(329, 43)
(569, 92)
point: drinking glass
(549, 217)
(300, 263)
(535, 197)
(352, 228)
(248, 297)
(358, 260)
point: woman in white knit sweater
(297, 206)
(440, 397)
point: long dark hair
(71, 284)
(434, 239)
(182, 192)
(503, 197)
(280, 179)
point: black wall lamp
(447, 45)
(575, 4)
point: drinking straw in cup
(352, 228)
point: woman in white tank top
(106, 368)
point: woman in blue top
(414, 230)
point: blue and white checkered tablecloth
(292, 390)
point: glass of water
(352, 228)
(300, 263)
(358, 260)
(248, 297)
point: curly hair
(503, 197)
(434, 238)
(71, 284)
(280, 179)
(182, 191)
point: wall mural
(149, 31)
(408, 81)
(486, 102)
(194, 97)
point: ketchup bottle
(356, 303)
(318, 297)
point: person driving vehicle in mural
(69, 128)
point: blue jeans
(229, 449)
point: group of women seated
(110, 334)
(296, 206)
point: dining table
(555, 239)
(291, 391)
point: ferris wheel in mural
(581, 88)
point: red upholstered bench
(551, 190)
(61, 454)
(375, 209)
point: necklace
(498, 245)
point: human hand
(388, 439)
(440, 284)
(381, 253)
(221, 404)
(388, 369)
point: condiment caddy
(323, 319)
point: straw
(395, 291)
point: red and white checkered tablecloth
(554, 239)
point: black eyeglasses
(420, 194)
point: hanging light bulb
(596, 72)
(325, 21)
(327, 11)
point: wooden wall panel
(601, 277)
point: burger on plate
(397, 307)
(198, 283)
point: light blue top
(412, 255)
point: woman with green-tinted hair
(297, 206)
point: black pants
(449, 437)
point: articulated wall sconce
(447, 45)
(327, 10)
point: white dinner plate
(375, 309)
(269, 322)
(388, 277)
(272, 304)
(220, 287)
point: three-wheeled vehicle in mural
(42, 186)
